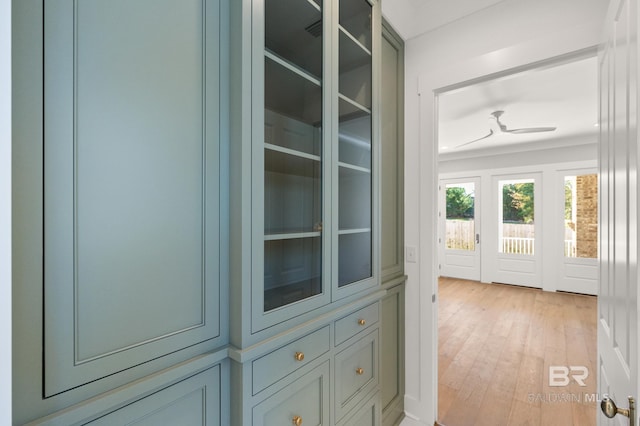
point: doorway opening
(498, 344)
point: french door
(460, 228)
(516, 230)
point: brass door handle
(297, 420)
(299, 356)
(359, 371)
(361, 322)
(610, 409)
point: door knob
(610, 409)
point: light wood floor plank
(496, 344)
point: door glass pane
(460, 220)
(516, 216)
(581, 216)
(293, 154)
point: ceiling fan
(503, 129)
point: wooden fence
(517, 238)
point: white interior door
(618, 296)
(516, 230)
(459, 223)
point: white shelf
(355, 40)
(354, 103)
(291, 236)
(292, 67)
(352, 167)
(354, 231)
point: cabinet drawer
(356, 322)
(281, 362)
(307, 399)
(356, 373)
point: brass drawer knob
(359, 371)
(361, 322)
(297, 420)
(299, 356)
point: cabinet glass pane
(355, 17)
(355, 260)
(354, 194)
(354, 142)
(289, 133)
(355, 71)
(293, 151)
(291, 95)
(292, 270)
(292, 193)
(354, 136)
(294, 33)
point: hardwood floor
(496, 344)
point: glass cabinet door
(293, 152)
(355, 183)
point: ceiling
(562, 96)
(414, 17)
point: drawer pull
(297, 420)
(361, 322)
(299, 356)
(359, 371)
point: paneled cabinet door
(193, 401)
(131, 184)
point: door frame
(421, 400)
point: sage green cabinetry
(392, 228)
(320, 372)
(304, 161)
(120, 260)
(305, 209)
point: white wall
(495, 40)
(5, 211)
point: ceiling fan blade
(476, 140)
(530, 130)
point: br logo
(560, 375)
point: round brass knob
(361, 322)
(297, 420)
(609, 407)
(359, 371)
(299, 356)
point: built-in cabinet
(200, 214)
(308, 152)
(305, 315)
